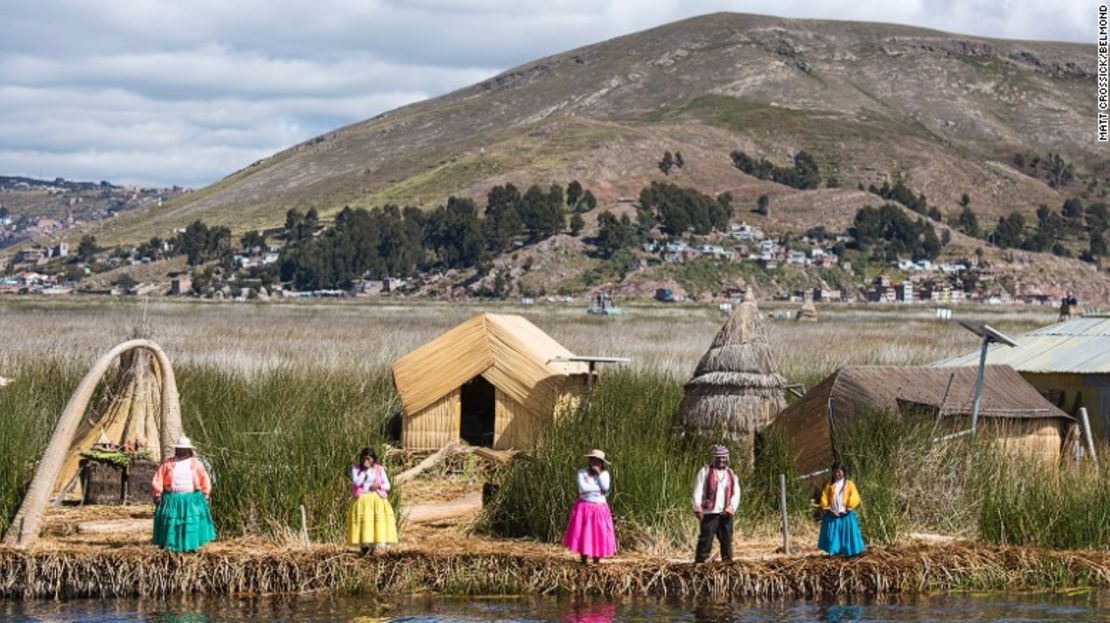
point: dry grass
(255, 338)
(149, 572)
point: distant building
(180, 286)
(904, 292)
(32, 255)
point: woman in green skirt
(182, 520)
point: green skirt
(182, 522)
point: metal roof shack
(1068, 362)
(1079, 346)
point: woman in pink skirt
(590, 528)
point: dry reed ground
(255, 337)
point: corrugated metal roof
(1080, 346)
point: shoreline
(907, 569)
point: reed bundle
(148, 572)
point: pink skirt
(590, 530)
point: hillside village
(33, 209)
(622, 260)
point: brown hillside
(869, 100)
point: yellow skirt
(370, 521)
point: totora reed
(128, 572)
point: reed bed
(631, 416)
(886, 571)
(276, 440)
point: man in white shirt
(716, 498)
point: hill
(878, 107)
(871, 101)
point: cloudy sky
(184, 92)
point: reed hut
(495, 380)
(736, 390)
(1011, 410)
(808, 312)
(139, 410)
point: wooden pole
(1087, 433)
(979, 384)
(782, 507)
(304, 527)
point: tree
(612, 234)
(588, 201)
(455, 233)
(542, 212)
(1072, 211)
(807, 173)
(945, 237)
(967, 222)
(1097, 246)
(574, 194)
(125, 282)
(503, 223)
(1010, 230)
(678, 160)
(763, 205)
(86, 249)
(1098, 217)
(889, 233)
(667, 163)
(252, 242)
(576, 224)
(965, 200)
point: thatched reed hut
(1010, 411)
(141, 409)
(736, 390)
(494, 380)
(808, 312)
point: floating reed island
(145, 572)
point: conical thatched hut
(735, 391)
(808, 312)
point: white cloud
(157, 92)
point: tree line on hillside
(401, 242)
(888, 233)
(804, 175)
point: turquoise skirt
(840, 536)
(182, 522)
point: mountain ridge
(872, 101)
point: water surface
(1089, 607)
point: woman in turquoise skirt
(840, 535)
(182, 520)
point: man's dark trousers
(714, 525)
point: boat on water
(602, 305)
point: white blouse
(183, 477)
(593, 488)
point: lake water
(1090, 607)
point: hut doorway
(478, 412)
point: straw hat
(596, 454)
(184, 442)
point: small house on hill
(1010, 409)
(494, 380)
(1069, 362)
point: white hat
(596, 454)
(184, 442)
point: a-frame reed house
(496, 380)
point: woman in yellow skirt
(370, 522)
